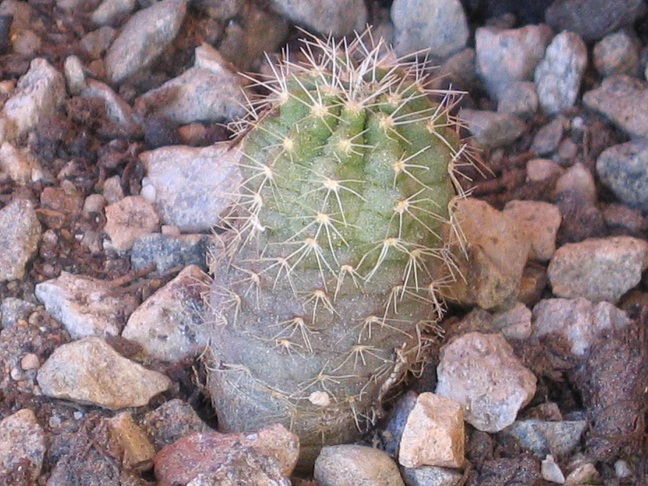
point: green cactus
(326, 293)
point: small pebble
(351, 465)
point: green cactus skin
(326, 293)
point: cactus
(327, 291)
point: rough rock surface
(20, 233)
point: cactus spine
(326, 293)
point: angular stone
(138, 450)
(624, 169)
(20, 233)
(22, 446)
(170, 422)
(492, 129)
(543, 437)
(331, 17)
(539, 221)
(129, 219)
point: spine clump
(328, 287)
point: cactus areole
(326, 292)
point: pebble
(558, 76)
(623, 168)
(191, 97)
(624, 101)
(19, 164)
(497, 253)
(578, 181)
(578, 321)
(97, 42)
(492, 129)
(598, 268)
(593, 19)
(539, 221)
(129, 219)
(514, 323)
(143, 38)
(617, 53)
(117, 109)
(504, 56)
(170, 422)
(20, 233)
(351, 465)
(22, 447)
(543, 437)
(481, 372)
(170, 324)
(546, 140)
(542, 169)
(429, 27)
(191, 187)
(74, 74)
(38, 95)
(12, 310)
(168, 251)
(112, 190)
(520, 99)
(85, 306)
(109, 10)
(551, 470)
(430, 476)
(26, 43)
(583, 474)
(330, 17)
(29, 361)
(89, 371)
(271, 453)
(624, 218)
(434, 433)
(138, 451)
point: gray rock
(84, 305)
(578, 321)
(492, 129)
(549, 136)
(617, 53)
(578, 181)
(598, 268)
(143, 38)
(170, 422)
(624, 101)
(117, 109)
(558, 76)
(12, 310)
(22, 446)
(456, 72)
(167, 252)
(551, 471)
(542, 437)
(624, 169)
(20, 233)
(170, 324)
(430, 476)
(592, 19)
(351, 465)
(129, 219)
(191, 187)
(429, 27)
(330, 17)
(108, 10)
(481, 372)
(191, 96)
(520, 99)
(97, 42)
(506, 56)
(88, 371)
(38, 95)
(539, 221)
(514, 323)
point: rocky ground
(110, 185)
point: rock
(138, 451)
(481, 372)
(624, 219)
(578, 321)
(558, 76)
(543, 437)
(495, 254)
(191, 187)
(456, 72)
(430, 476)
(351, 465)
(624, 169)
(492, 129)
(579, 182)
(434, 433)
(38, 95)
(97, 42)
(143, 38)
(598, 268)
(539, 222)
(542, 169)
(170, 324)
(74, 74)
(84, 305)
(109, 10)
(514, 323)
(89, 371)
(546, 140)
(617, 53)
(330, 17)
(20, 233)
(273, 451)
(506, 56)
(433, 28)
(167, 252)
(583, 474)
(398, 415)
(624, 101)
(20, 164)
(117, 109)
(191, 96)
(170, 422)
(129, 219)
(551, 471)
(520, 99)
(22, 448)
(13, 309)
(592, 19)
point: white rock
(20, 233)
(108, 10)
(598, 268)
(89, 371)
(351, 465)
(84, 305)
(481, 372)
(74, 74)
(22, 445)
(169, 324)
(129, 219)
(19, 164)
(540, 222)
(193, 186)
(551, 471)
(579, 321)
(433, 434)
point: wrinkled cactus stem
(326, 293)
